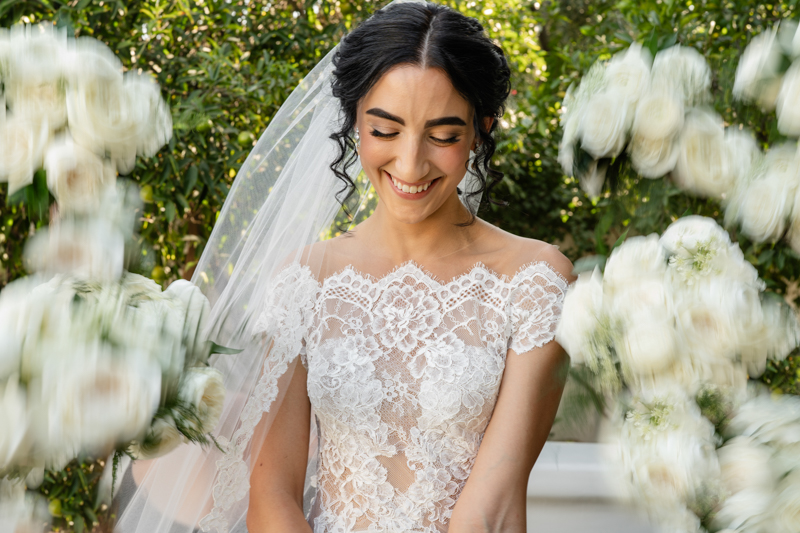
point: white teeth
(412, 189)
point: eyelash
(381, 135)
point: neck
(433, 238)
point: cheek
(451, 160)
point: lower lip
(409, 195)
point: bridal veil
(282, 202)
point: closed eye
(381, 135)
(451, 140)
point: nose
(412, 163)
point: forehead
(414, 93)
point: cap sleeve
(535, 307)
(288, 310)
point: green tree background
(225, 67)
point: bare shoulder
(512, 252)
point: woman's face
(416, 134)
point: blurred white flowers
(672, 329)
(58, 87)
(78, 179)
(22, 146)
(757, 76)
(705, 164)
(93, 359)
(626, 103)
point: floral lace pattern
(403, 375)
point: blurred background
(225, 67)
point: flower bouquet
(95, 361)
(671, 331)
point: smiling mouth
(410, 191)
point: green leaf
(191, 180)
(621, 238)
(223, 350)
(170, 212)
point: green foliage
(74, 498)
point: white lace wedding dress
(403, 376)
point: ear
(487, 126)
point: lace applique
(287, 311)
(403, 375)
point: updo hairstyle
(429, 36)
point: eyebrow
(443, 121)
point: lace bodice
(403, 376)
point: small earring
(358, 140)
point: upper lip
(416, 184)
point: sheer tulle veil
(282, 202)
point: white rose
(658, 120)
(770, 420)
(787, 108)
(22, 145)
(745, 511)
(745, 463)
(763, 205)
(160, 322)
(743, 152)
(121, 119)
(580, 316)
(36, 54)
(162, 437)
(785, 510)
(43, 104)
(198, 310)
(704, 163)
(635, 259)
(604, 125)
(89, 250)
(77, 177)
(31, 312)
(684, 70)
(769, 329)
(672, 463)
(91, 61)
(138, 287)
(13, 420)
(757, 77)
(648, 345)
(627, 73)
(145, 91)
(689, 233)
(700, 249)
(204, 390)
(97, 399)
(706, 321)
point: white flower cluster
(72, 110)
(671, 320)
(760, 467)
(93, 359)
(684, 309)
(636, 103)
(764, 202)
(762, 76)
(85, 366)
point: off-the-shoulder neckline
(399, 270)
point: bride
(403, 376)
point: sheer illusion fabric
(403, 375)
(403, 368)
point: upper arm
(280, 464)
(526, 406)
